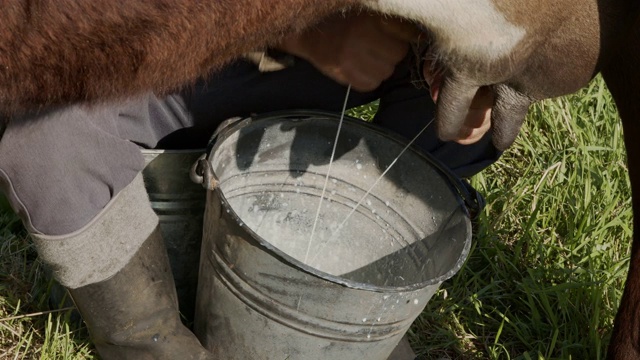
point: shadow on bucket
(276, 284)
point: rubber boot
(134, 314)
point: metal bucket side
(252, 305)
(286, 156)
(180, 205)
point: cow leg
(623, 79)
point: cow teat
(524, 50)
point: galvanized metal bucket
(268, 289)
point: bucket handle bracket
(202, 173)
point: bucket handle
(472, 198)
(202, 173)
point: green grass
(28, 328)
(549, 260)
(543, 279)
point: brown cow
(531, 50)
(53, 53)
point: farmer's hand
(361, 49)
(478, 119)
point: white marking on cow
(470, 27)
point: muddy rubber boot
(134, 314)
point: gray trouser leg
(61, 168)
(73, 174)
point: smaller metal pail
(179, 204)
(380, 249)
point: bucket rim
(229, 128)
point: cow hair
(54, 53)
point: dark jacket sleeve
(64, 51)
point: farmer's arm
(363, 49)
(57, 52)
